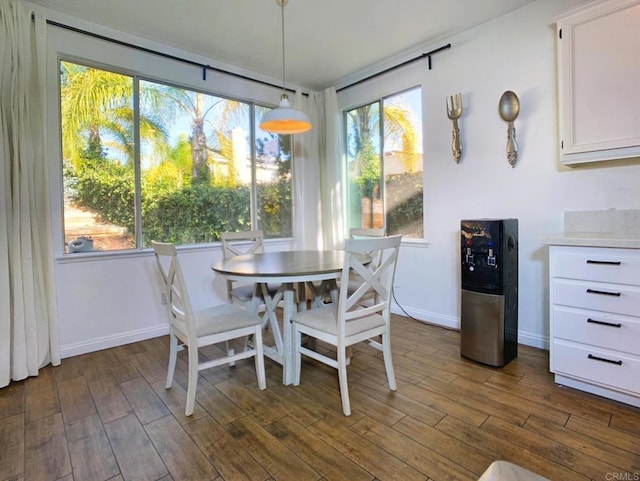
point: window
(146, 161)
(384, 165)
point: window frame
(138, 76)
(380, 100)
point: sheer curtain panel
(306, 173)
(332, 168)
(318, 167)
(28, 311)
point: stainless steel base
(482, 328)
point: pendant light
(284, 119)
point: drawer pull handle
(610, 361)
(603, 323)
(606, 263)
(604, 293)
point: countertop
(592, 239)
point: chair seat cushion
(221, 318)
(324, 319)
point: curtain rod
(427, 54)
(204, 67)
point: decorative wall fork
(454, 111)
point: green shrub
(195, 214)
(274, 209)
(404, 192)
(106, 188)
(191, 214)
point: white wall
(514, 52)
(108, 302)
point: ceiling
(328, 42)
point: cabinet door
(599, 75)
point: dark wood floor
(107, 416)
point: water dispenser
(489, 294)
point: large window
(148, 161)
(384, 165)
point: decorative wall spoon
(509, 108)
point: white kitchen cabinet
(598, 79)
(595, 320)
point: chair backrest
(179, 308)
(238, 243)
(359, 233)
(365, 233)
(376, 277)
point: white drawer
(599, 366)
(600, 265)
(600, 329)
(615, 298)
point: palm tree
(193, 104)
(200, 108)
(398, 125)
(96, 102)
(98, 143)
(175, 171)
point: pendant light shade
(284, 119)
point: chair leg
(259, 355)
(193, 380)
(297, 357)
(230, 352)
(388, 363)
(333, 291)
(253, 306)
(245, 343)
(261, 296)
(342, 376)
(275, 329)
(173, 353)
(254, 303)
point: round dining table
(289, 268)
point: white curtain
(332, 169)
(28, 322)
(318, 166)
(306, 169)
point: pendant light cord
(282, 2)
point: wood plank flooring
(107, 416)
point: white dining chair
(256, 296)
(203, 327)
(236, 244)
(355, 282)
(327, 289)
(349, 321)
(364, 233)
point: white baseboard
(427, 317)
(450, 322)
(106, 342)
(533, 340)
